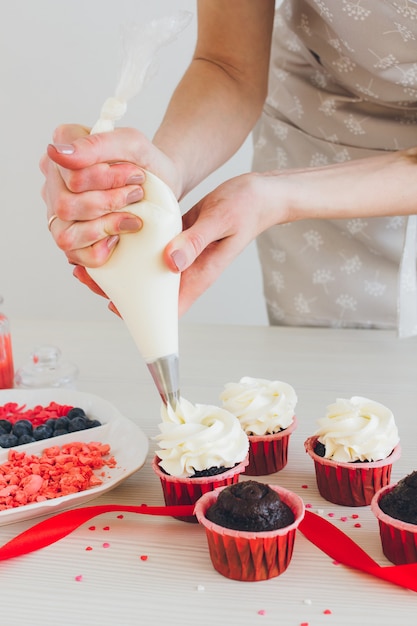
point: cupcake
(250, 529)
(395, 507)
(265, 410)
(353, 450)
(201, 447)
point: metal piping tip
(165, 373)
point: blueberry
(60, 431)
(5, 426)
(93, 423)
(76, 412)
(77, 423)
(22, 427)
(50, 423)
(25, 439)
(61, 423)
(42, 432)
(8, 441)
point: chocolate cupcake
(353, 450)
(201, 447)
(395, 507)
(252, 506)
(266, 412)
(257, 554)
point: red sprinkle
(106, 527)
(327, 612)
(89, 548)
(304, 624)
(143, 557)
(343, 519)
(357, 525)
(330, 514)
(355, 516)
(309, 506)
(106, 545)
(12, 412)
(91, 528)
(120, 516)
(304, 486)
(79, 578)
(262, 612)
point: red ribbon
(316, 529)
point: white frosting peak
(262, 406)
(197, 437)
(358, 429)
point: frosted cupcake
(353, 450)
(201, 447)
(395, 507)
(250, 529)
(266, 412)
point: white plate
(128, 445)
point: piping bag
(135, 277)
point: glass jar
(6, 354)
(46, 368)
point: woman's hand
(90, 180)
(216, 230)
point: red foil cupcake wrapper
(269, 453)
(251, 556)
(178, 491)
(350, 484)
(398, 538)
(322, 533)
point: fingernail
(130, 224)
(135, 179)
(179, 259)
(134, 196)
(63, 148)
(112, 241)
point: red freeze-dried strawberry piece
(57, 472)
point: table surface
(176, 584)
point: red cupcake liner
(269, 453)
(189, 490)
(250, 556)
(350, 484)
(398, 538)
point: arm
(219, 227)
(215, 106)
(220, 98)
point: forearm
(384, 185)
(221, 95)
(208, 119)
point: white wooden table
(176, 584)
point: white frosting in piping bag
(135, 277)
(137, 280)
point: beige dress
(343, 85)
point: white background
(59, 61)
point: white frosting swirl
(197, 437)
(358, 429)
(262, 406)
